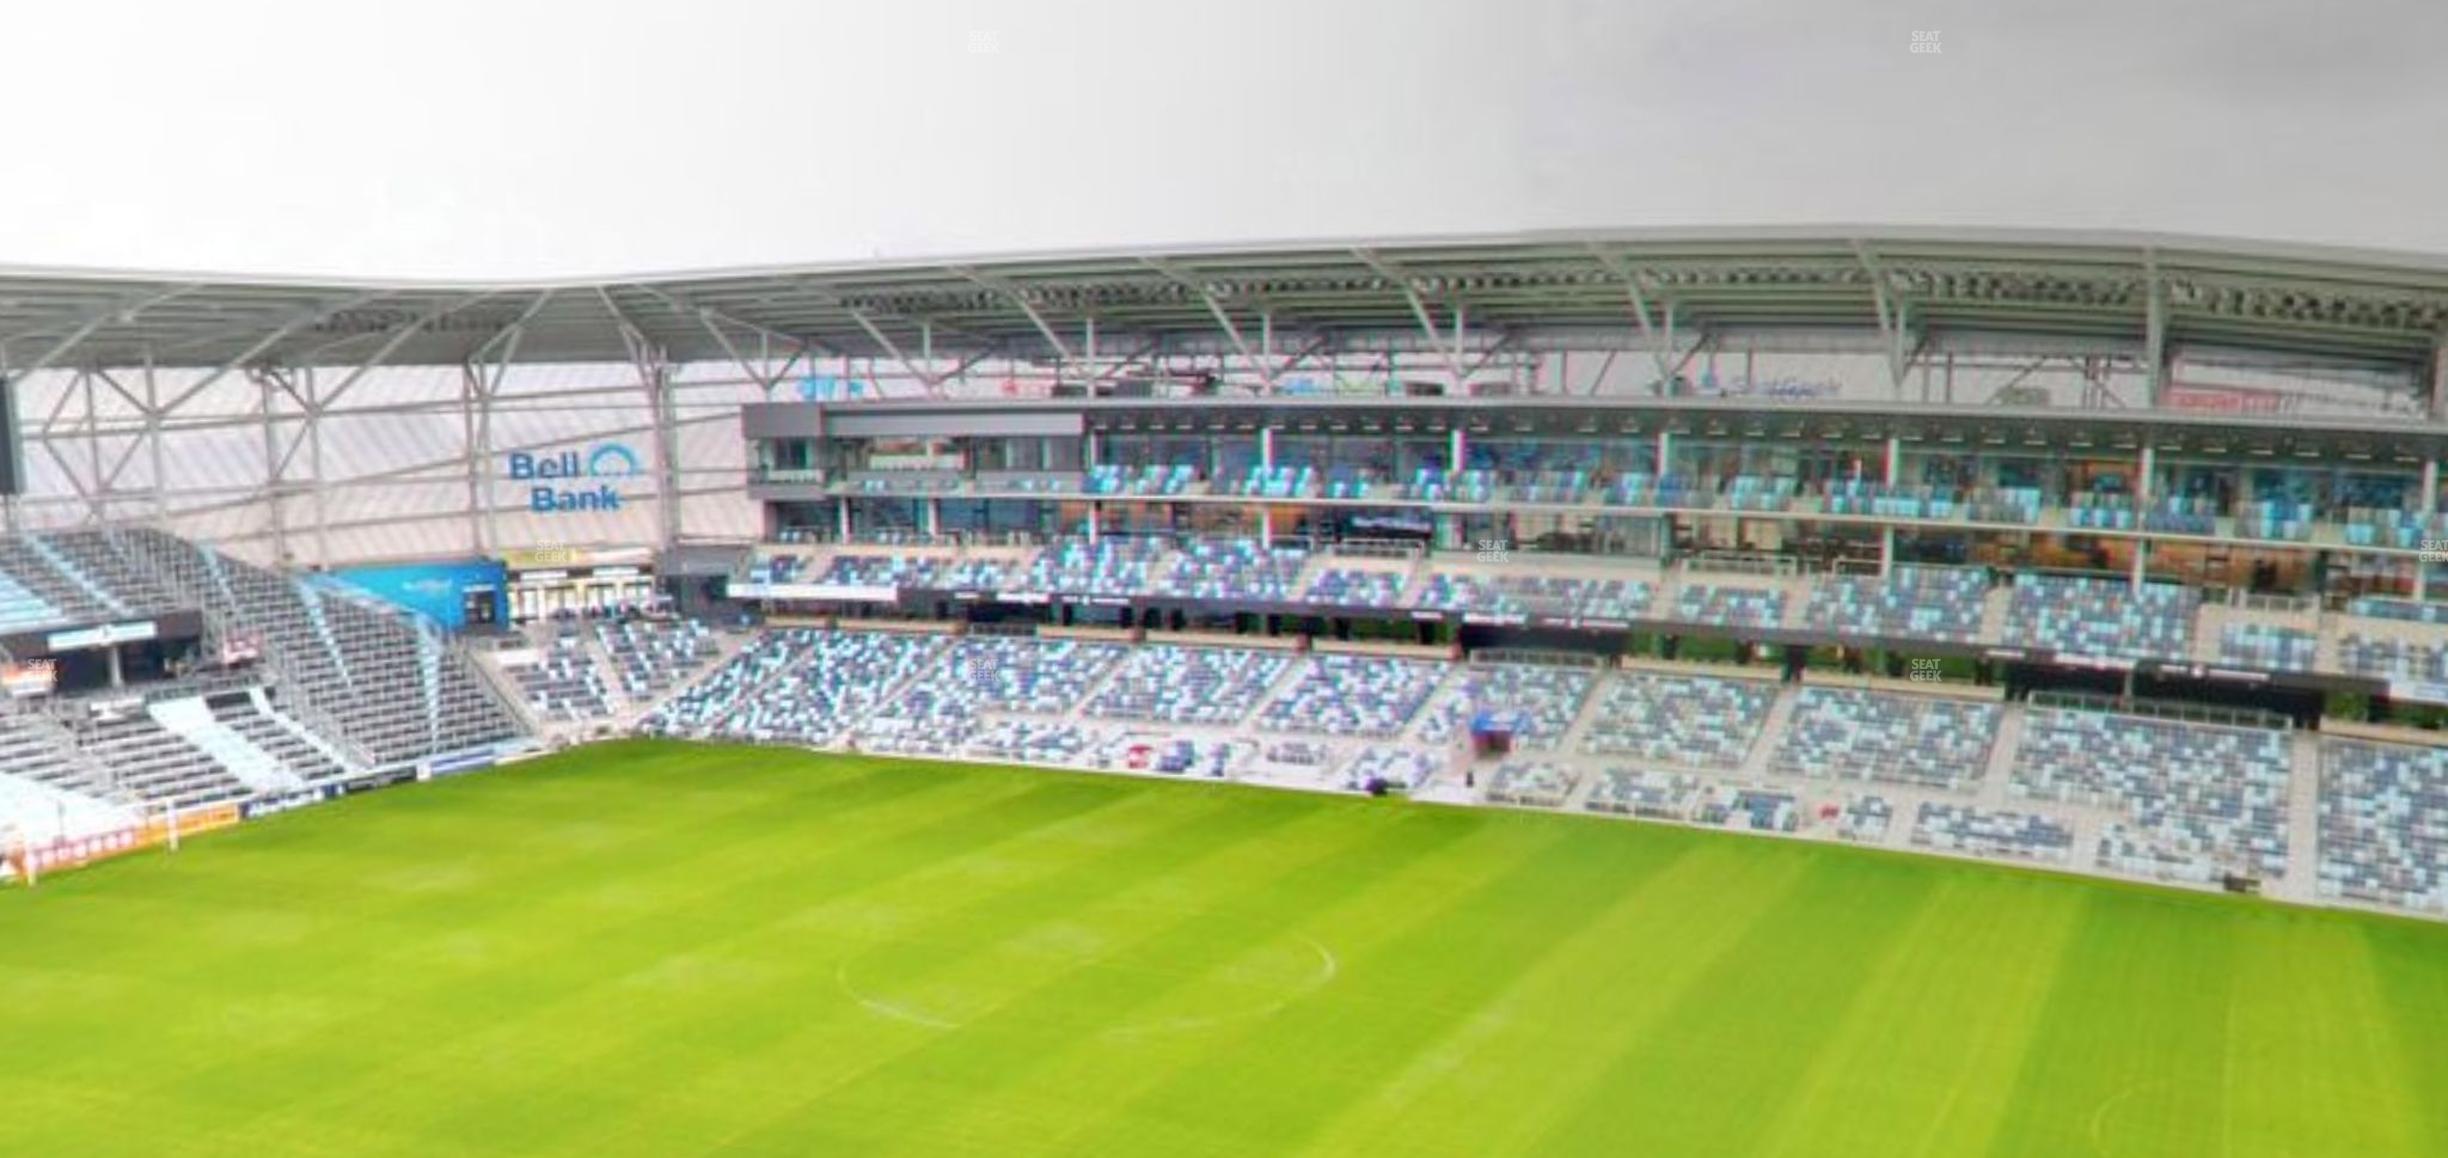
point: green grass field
(659, 949)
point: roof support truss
(1012, 294)
(121, 311)
(1419, 312)
(1661, 340)
(1895, 320)
(2154, 329)
(390, 346)
(1260, 359)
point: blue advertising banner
(437, 591)
(562, 482)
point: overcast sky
(535, 138)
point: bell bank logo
(566, 482)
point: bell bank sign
(568, 481)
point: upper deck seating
(1941, 603)
(1726, 605)
(2102, 617)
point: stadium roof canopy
(2152, 291)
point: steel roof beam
(1012, 294)
(391, 346)
(1223, 318)
(685, 307)
(1419, 311)
(125, 312)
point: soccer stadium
(1684, 692)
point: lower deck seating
(1399, 769)
(2197, 800)
(651, 656)
(1189, 685)
(1174, 756)
(994, 673)
(1696, 721)
(1539, 783)
(261, 725)
(2019, 835)
(1640, 792)
(798, 684)
(1755, 809)
(1857, 735)
(1352, 695)
(43, 753)
(562, 685)
(147, 760)
(1865, 818)
(1542, 701)
(1033, 741)
(33, 812)
(2384, 825)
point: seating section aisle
(23, 610)
(106, 572)
(35, 590)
